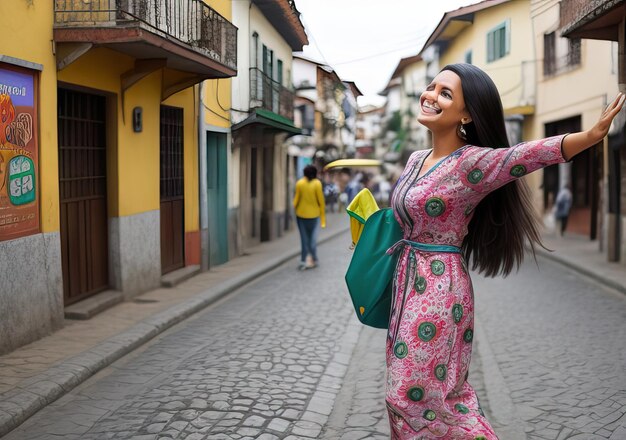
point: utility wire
(376, 55)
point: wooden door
(172, 187)
(83, 194)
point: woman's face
(442, 105)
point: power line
(375, 55)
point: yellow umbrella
(352, 163)
(362, 206)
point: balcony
(594, 19)
(285, 18)
(184, 35)
(267, 94)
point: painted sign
(19, 164)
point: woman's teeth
(431, 109)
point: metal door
(83, 194)
(172, 187)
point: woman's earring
(460, 131)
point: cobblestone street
(284, 358)
(556, 341)
(265, 363)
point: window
(268, 61)
(498, 41)
(549, 53)
(279, 72)
(468, 57)
(573, 54)
(559, 54)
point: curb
(579, 269)
(34, 393)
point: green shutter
(507, 36)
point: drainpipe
(203, 182)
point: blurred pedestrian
(331, 193)
(310, 215)
(563, 206)
(381, 191)
(460, 204)
(354, 187)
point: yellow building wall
(133, 159)
(584, 90)
(510, 73)
(27, 35)
(217, 92)
(217, 102)
(594, 81)
(133, 183)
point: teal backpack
(370, 274)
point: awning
(270, 119)
(356, 163)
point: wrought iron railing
(556, 65)
(270, 95)
(191, 22)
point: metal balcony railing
(191, 22)
(557, 65)
(270, 95)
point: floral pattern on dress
(431, 328)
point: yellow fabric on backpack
(362, 206)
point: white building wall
(240, 87)
(304, 73)
(273, 40)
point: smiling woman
(461, 201)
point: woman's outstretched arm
(577, 142)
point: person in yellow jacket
(310, 213)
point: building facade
(605, 20)
(100, 169)
(590, 68)
(262, 118)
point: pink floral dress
(429, 344)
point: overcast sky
(363, 40)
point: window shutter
(507, 32)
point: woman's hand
(601, 128)
(577, 142)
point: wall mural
(19, 150)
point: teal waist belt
(426, 247)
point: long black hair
(505, 218)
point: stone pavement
(37, 374)
(580, 254)
(551, 345)
(266, 362)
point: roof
(393, 82)
(355, 90)
(404, 63)
(328, 69)
(595, 20)
(369, 108)
(319, 64)
(285, 18)
(453, 22)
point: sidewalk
(583, 256)
(37, 374)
